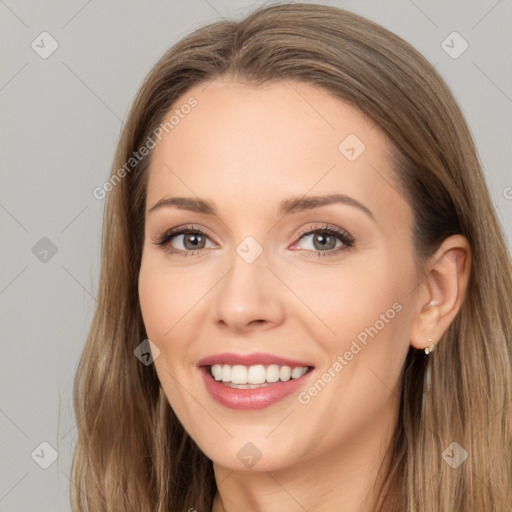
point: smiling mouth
(255, 376)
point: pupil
(324, 243)
(190, 236)
(193, 238)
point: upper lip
(250, 360)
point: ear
(442, 291)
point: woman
(228, 366)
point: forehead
(248, 146)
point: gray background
(61, 118)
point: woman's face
(262, 276)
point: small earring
(430, 349)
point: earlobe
(430, 348)
(424, 334)
(442, 292)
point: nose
(249, 296)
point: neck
(342, 479)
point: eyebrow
(286, 207)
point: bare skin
(246, 149)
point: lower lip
(249, 399)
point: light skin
(245, 149)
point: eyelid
(311, 228)
(346, 239)
(179, 230)
(341, 234)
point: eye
(323, 241)
(192, 240)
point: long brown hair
(132, 452)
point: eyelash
(342, 235)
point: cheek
(363, 349)
(154, 301)
(348, 299)
(167, 296)
(360, 315)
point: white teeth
(256, 374)
(226, 374)
(273, 373)
(298, 372)
(238, 374)
(244, 386)
(285, 373)
(217, 371)
(247, 377)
